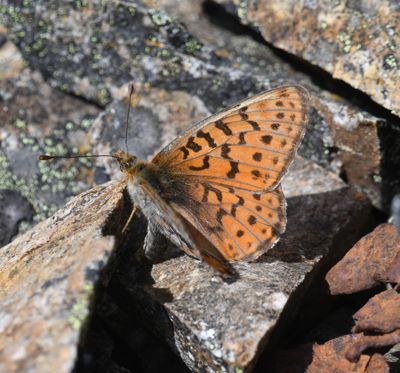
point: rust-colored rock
(47, 277)
(377, 364)
(325, 358)
(371, 255)
(330, 357)
(380, 314)
(363, 342)
(392, 272)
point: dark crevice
(220, 17)
(83, 99)
(115, 338)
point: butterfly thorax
(127, 162)
(132, 167)
(138, 170)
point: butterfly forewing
(249, 145)
(228, 167)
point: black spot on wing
(252, 220)
(257, 156)
(204, 166)
(254, 124)
(223, 127)
(206, 136)
(192, 145)
(266, 139)
(233, 171)
(209, 188)
(244, 116)
(225, 149)
(184, 151)
(220, 214)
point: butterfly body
(215, 190)
(147, 184)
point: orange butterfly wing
(228, 167)
(241, 224)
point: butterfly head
(127, 162)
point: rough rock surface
(47, 281)
(217, 69)
(36, 118)
(353, 40)
(363, 266)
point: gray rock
(36, 118)
(14, 208)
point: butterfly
(215, 190)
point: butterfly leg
(133, 213)
(156, 246)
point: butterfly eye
(140, 167)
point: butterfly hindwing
(240, 224)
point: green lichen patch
(80, 309)
(390, 62)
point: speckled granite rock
(353, 40)
(36, 118)
(47, 279)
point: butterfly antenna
(45, 157)
(132, 89)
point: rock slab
(47, 279)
